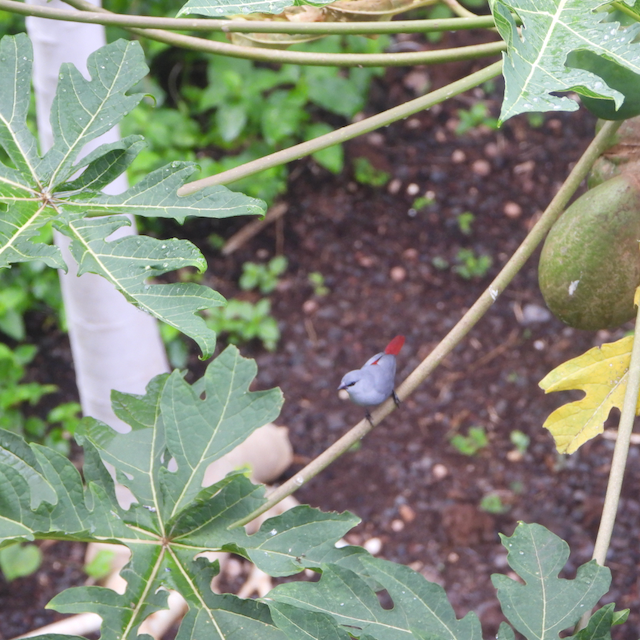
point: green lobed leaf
(213, 616)
(155, 196)
(546, 604)
(419, 606)
(128, 263)
(535, 63)
(121, 614)
(600, 623)
(505, 632)
(64, 188)
(311, 625)
(204, 421)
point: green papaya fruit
(590, 263)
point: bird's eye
(351, 384)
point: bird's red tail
(393, 348)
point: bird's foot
(369, 418)
(394, 395)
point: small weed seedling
(19, 560)
(476, 116)
(365, 173)
(316, 279)
(465, 220)
(492, 503)
(470, 444)
(262, 276)
(243, 321)
(520, 440)
(470, 265)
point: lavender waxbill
(373, 384)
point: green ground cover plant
(174, 519)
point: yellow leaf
(601, 373)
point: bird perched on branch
(374, 383)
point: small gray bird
(373, 384)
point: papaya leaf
(311, 625)
(600, 623)
(545, 604)
(177, 430)
(601, 373)
(421, 608)
(505, 632)
(63, 187)
(535, 61)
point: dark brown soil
(416, 494)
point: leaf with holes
(537, 63)
(420, 608)
(177, 430)
(64, 188)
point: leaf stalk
(619, 459)
(557, 205)
(246, 26)
(346, 133)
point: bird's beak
(341, 387)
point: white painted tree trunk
(114, 345)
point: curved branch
(599, 144)
(306, 58)
(346, 133)
(246, 26)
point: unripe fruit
(590, 263)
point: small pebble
(310, 306)
(491, 150)
(407, 513)
(539, 345)
(512, 210)
(453, 557)
(458, 156)
(439, 471)
(373, 545)
(364, 261)
(514, 456)
(534, 313)
(398, 274)
(411, 255)
(413, 189)
(555, 125)
(481, 168)
(413, 123)
(397, 525)
(376, 139)
(394, 186)
(524, 167)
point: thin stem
(247, 26)
(459, 10)
(308, 58)
(619, 459)
(599, 144)
(620, 6)
(346, 133)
